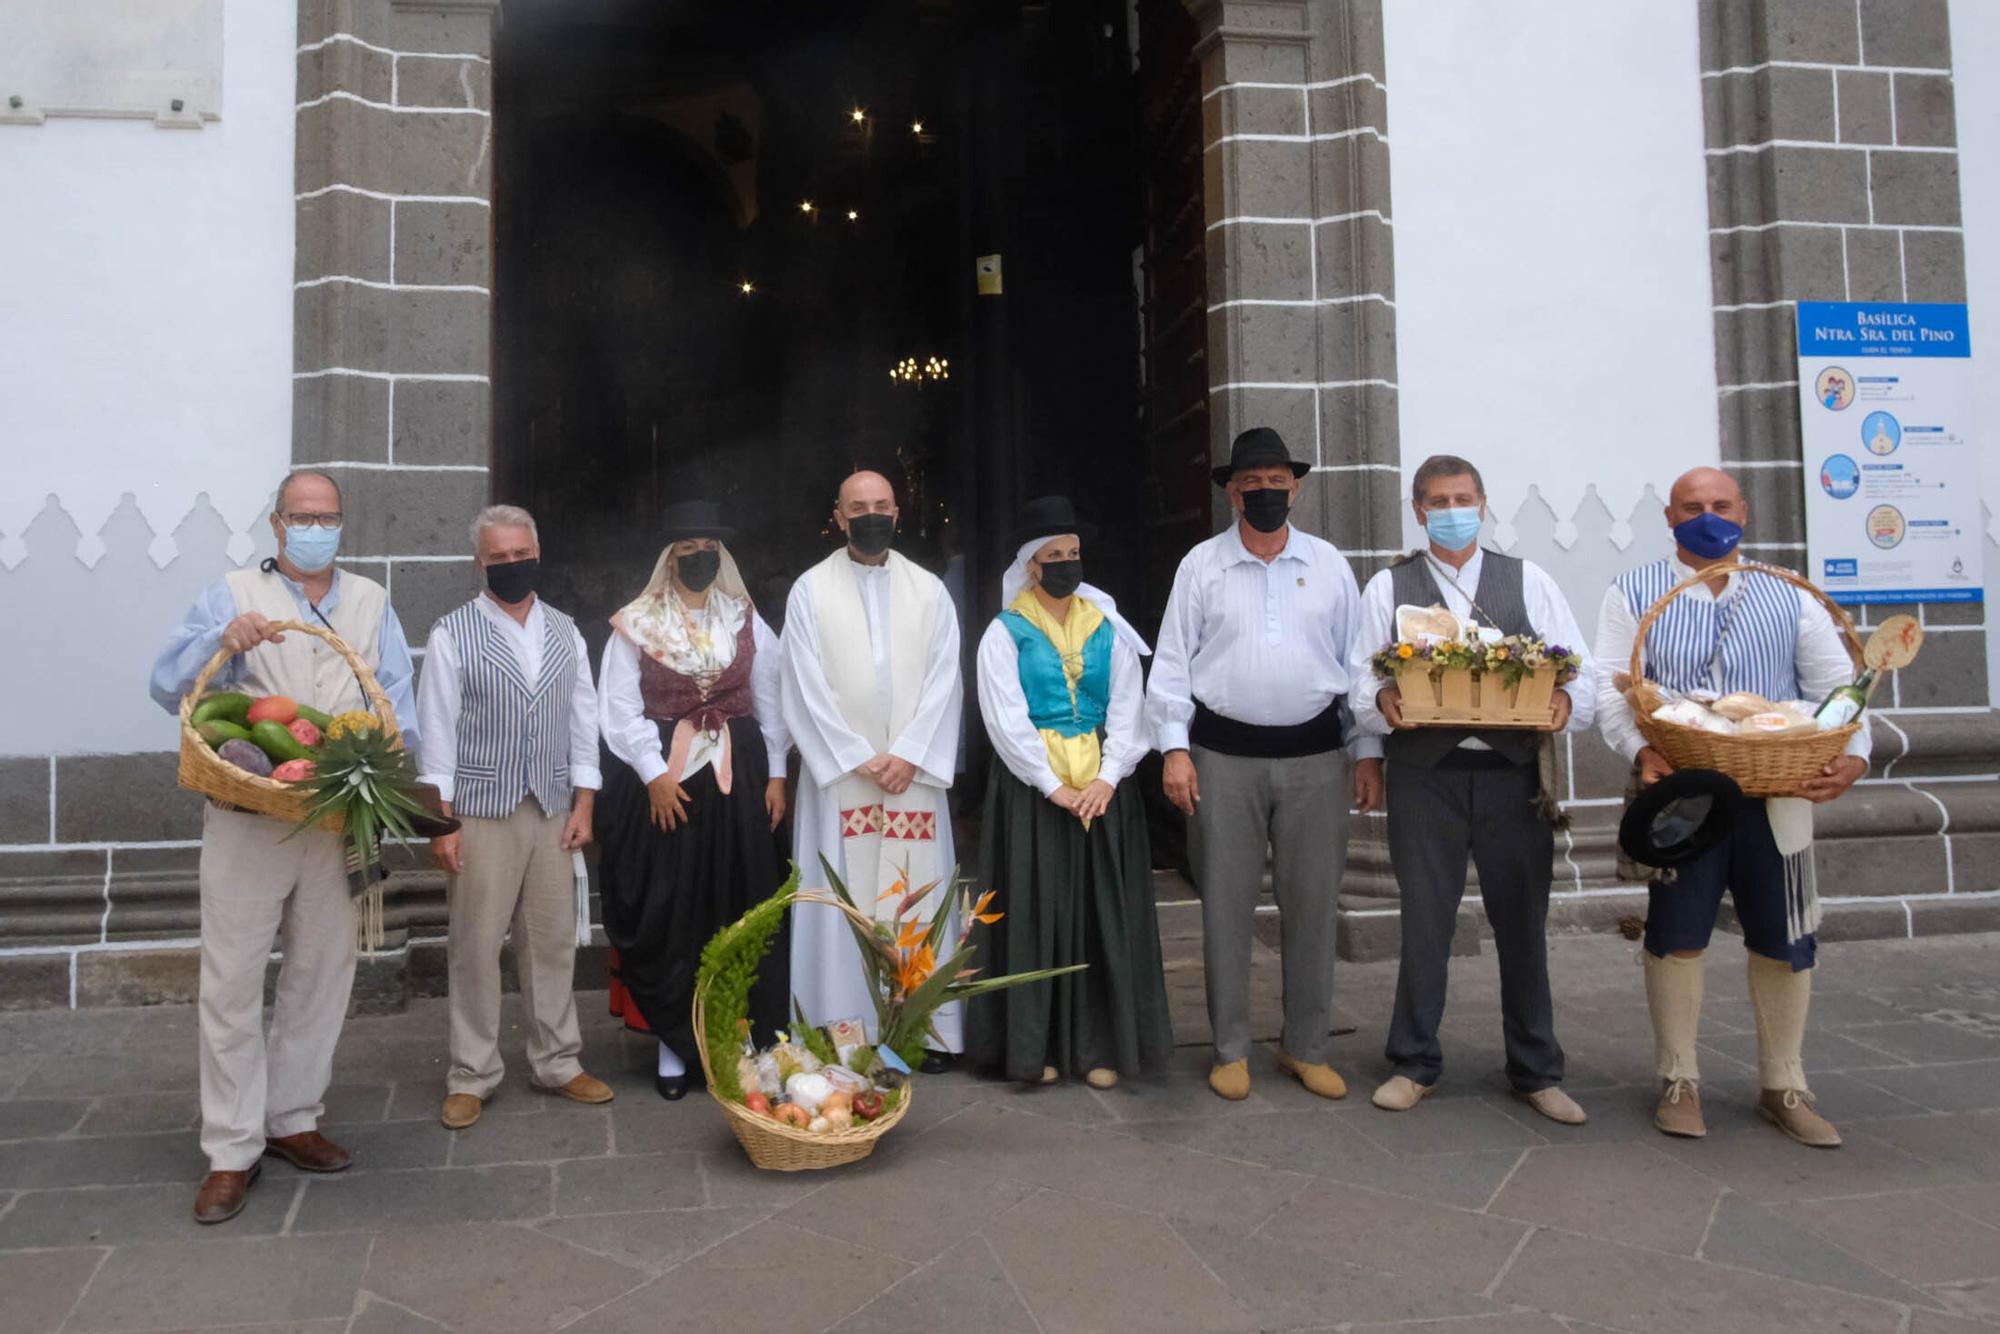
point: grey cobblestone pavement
(1152, 1206)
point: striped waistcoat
(1760, 652)
(513, 734)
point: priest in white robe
(872, 697)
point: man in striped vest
(1732, 632)
(509, 720)
(1454, 793)
(265, 882)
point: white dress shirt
(1004, 707)
(440, 697)
(635, 738)
(1265, 643)
(1822, 662)
(1548, 611)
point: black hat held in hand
(1678, 818)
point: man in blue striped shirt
(1731, 632)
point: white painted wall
(1975, 47)
(146, 317)
(145, 350)
(1552, 268)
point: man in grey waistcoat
(1453, 792)
(509, 719)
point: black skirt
(666, 894)
(1069, 896)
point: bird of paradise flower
(909, 976)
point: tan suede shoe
(1103, 1077)
(1050, 1074)
(1318, 1077)
(460, 1110)
(1553, 1103)
(1679, 1112)
(584, 1088)
(1791, 1110)
(1231, 1080)
(1399, 1093)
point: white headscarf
(1016, 579)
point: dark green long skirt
(1069, 897)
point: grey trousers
(1437, 817)
(1297, 810)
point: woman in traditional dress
(1064, 846)
(690, 702)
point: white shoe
(1399, 1093)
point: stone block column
(1301, 285)
(393, 304)
(1831, 136)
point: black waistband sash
(1226, 736)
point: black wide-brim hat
(1258, 447)
(1678, 818)
(1049, 516)
(696, 518)
(433, 823)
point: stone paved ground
(1150, 1207)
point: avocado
(278, 743)
(229, 706)
(315, 716)
(218, 730)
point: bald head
(865, 492)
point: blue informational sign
(1885, 413)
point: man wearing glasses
(262, 884)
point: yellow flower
(1406, 650)
(349, 723)
(1500, 652)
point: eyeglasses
(312, 520)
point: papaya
(218, 730)
(229, 706)
(315, 717)
(272, 738)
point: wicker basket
(777, 1147)
(1763, 766)
(1461, 697)
(204, 771)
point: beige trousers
(260, 887)
(516, 874)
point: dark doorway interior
(654, 157)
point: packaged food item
(1740, 705)
(1418, 625)
(847, 1036)
(807, 1090)
(1775, 723)
(769, 1077)
(845, 1080)
(1687, 713)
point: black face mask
(870, 534)
(1266, 509)
(515, 581)
(1060, 578)
(698, 569)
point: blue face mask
(1708, 535)
(311, 550)
(1453, 529)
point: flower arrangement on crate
(821, 1094)
(1464, 675)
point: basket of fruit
(1771, 748)
(259, 753)
(821, 1096)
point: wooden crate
(1461, 697)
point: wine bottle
(1845, 703)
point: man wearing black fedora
(1248, 705)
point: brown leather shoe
(310, 1151)
(584, 1088)
(1791, 1110)
(460, 1110)
(223, 1194)
(1679, 1112)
